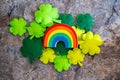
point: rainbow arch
(60, 32)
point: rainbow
(60, 32)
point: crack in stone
(11, 10)
(4, 20)
(69, 2)
(115, 37)
(113, 11)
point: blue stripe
(60, 38)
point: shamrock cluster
(61, 57)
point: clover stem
(32, 37)
(57, 21)
(80, 64)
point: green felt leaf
(67, 19)
(32, 48)
(18, 26)
(46, 15)
(36, 30)
(84, 21)
(60, 49)
(61, 63)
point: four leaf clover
(90, 43)
(67, 19)
(75, 56)
(32, 48)
(61, 63)
(46, 15)
(36, 30)
(18, 26)
(84, 21)
(47, 55)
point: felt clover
(32, 48)
(36, 30)
(46, 15)
(47, 55)
(66, 19)
(84, 21)
(61, 63)
(18, 26)
(90, 43)
(75, 56)
(60, 49)
(79, 33)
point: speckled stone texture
(106, 66)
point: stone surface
(106, 66)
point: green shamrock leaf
(61, 63)
(32, 48)
(36, 30)
(18, 26)
(46, 15)
(84, 21)
(60, 49)
(66, 19)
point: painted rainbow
(60, 32)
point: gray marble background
(106, 66)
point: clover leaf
(79, 33)
(18, 26)
(66, 19)
(75, 56)
(60, 48)
(32, 48)
(36, 30)
(47, 55)
(84, 21)
(46, 15)
(90, 43)
(61, 63)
